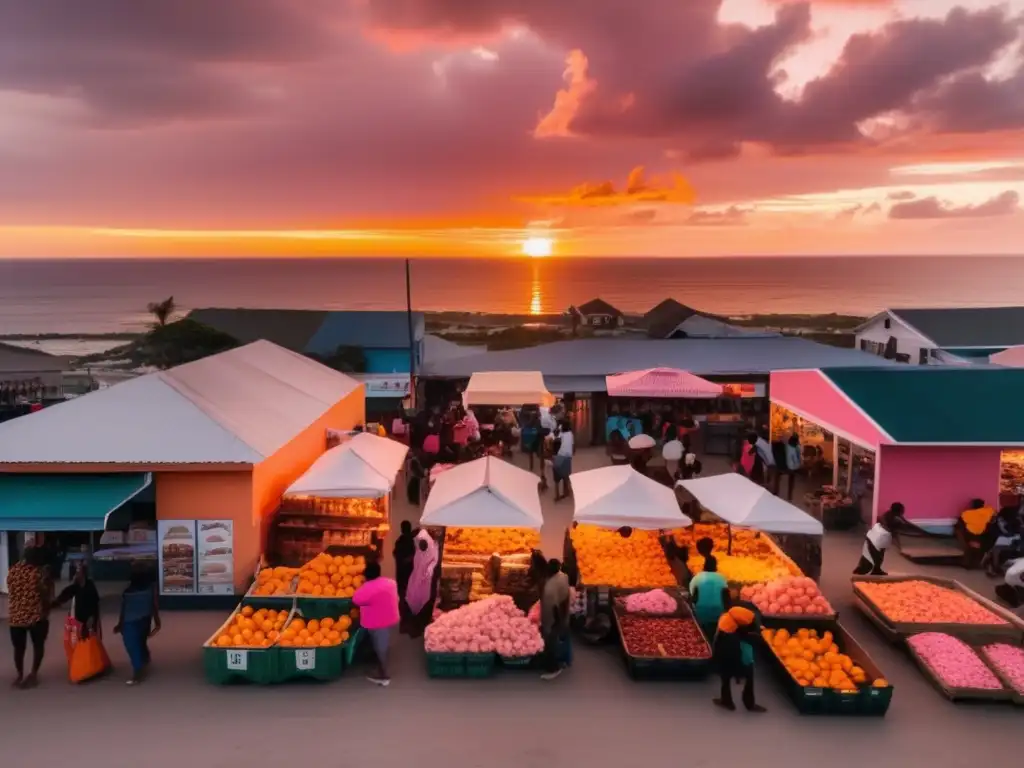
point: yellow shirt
(977, 520)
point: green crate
(480, 664)
(324, 663)
(248, 665)
(521, 662)
(356, 635)
(323, 607)
(446, 665)
(276, 603)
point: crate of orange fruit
(326, 583)
(316, 648)
(244, 648)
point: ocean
(39, 296)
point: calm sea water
(82, 296)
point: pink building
(937, 434)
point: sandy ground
(593, 715)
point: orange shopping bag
(88, 659)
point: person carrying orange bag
(83, 645)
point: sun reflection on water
(536, 293)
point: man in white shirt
(877, 541)
(562, 462)
(1012, 591)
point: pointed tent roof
(618, 496)
(661, 382)
(739, 501)
(507, 388)
(237, 407)
(486, 493)
(363, 467)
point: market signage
(744, 390)
(196, 557)
(386, 385)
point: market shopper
(562, 462)
(970, 529)
(404, 553)
(420, 589)
(733, 655)
(377, 600)
(793, 462)
(709, 592)
(554, 618)
(139, 620)
(83, 622)
(1012, 588)
(878, 539)
(28, 595)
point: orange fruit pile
(275, 581)
(322, 633)
(604, 557)
(327, 576)
(252, 629)
(816, 661)
(487, 541)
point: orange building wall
(214, 496)
(272, 476)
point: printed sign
(386, 385)
(305, 658)
(177, 556)
(238, 661)
(216, 557)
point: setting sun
(537, 247)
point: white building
(942, 336)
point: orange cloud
(639, 189)
(557, 122)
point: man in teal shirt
(710, 594)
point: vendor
(970, 529)
(733, 655)
(1004, 538)
(709, 592)
(1012, 588)
(877, 541)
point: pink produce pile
(953, 661)
(656, 601)
(790, 595)
(1009, 660)
(491, 625)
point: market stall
(486, 515)
(341, 504)
(775, 535)
(510, 388)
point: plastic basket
(323, 607)
(234, 665)
(480, 664)
(517, 662)
(440, 665)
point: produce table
(998, 691)
(864, 698)
(478, 562)
(663, 646)
(1002, 624)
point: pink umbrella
(661, 382)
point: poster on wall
(216, 557)
(177, 553)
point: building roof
(316, 331)
(940, 404)
(666, 317)
(601, 356)
(238, 407)
(598, 307)
(15, 359)
(967, 326)
(437, 349)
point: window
(922, 357)
(888, 323)
(872, 347)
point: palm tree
(162, 311)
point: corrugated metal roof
(944, 405)
(238, 407)
(373, 330)
(600, 357)
(968, 326)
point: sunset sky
(455, 127)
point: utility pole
(412, 339)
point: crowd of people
(32, 598)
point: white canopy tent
(486, 493)
(363, 467)
(739, 501)
(509, 388)
(618, 496)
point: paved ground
(593, 715)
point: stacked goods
(275, 582)
(655, 602)
(921, 602)
(751, 558)
(605, 557)
(1008, 662)
(331, 576)
(788, 596)
(250, 628)
(514, 576)
(953, 663)
(677, 638)
(459, 581)
(741, 569)
(357, 508)
(818, 662)
(322, 633)
(498, 541)
(362, 537)
(492, 625)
